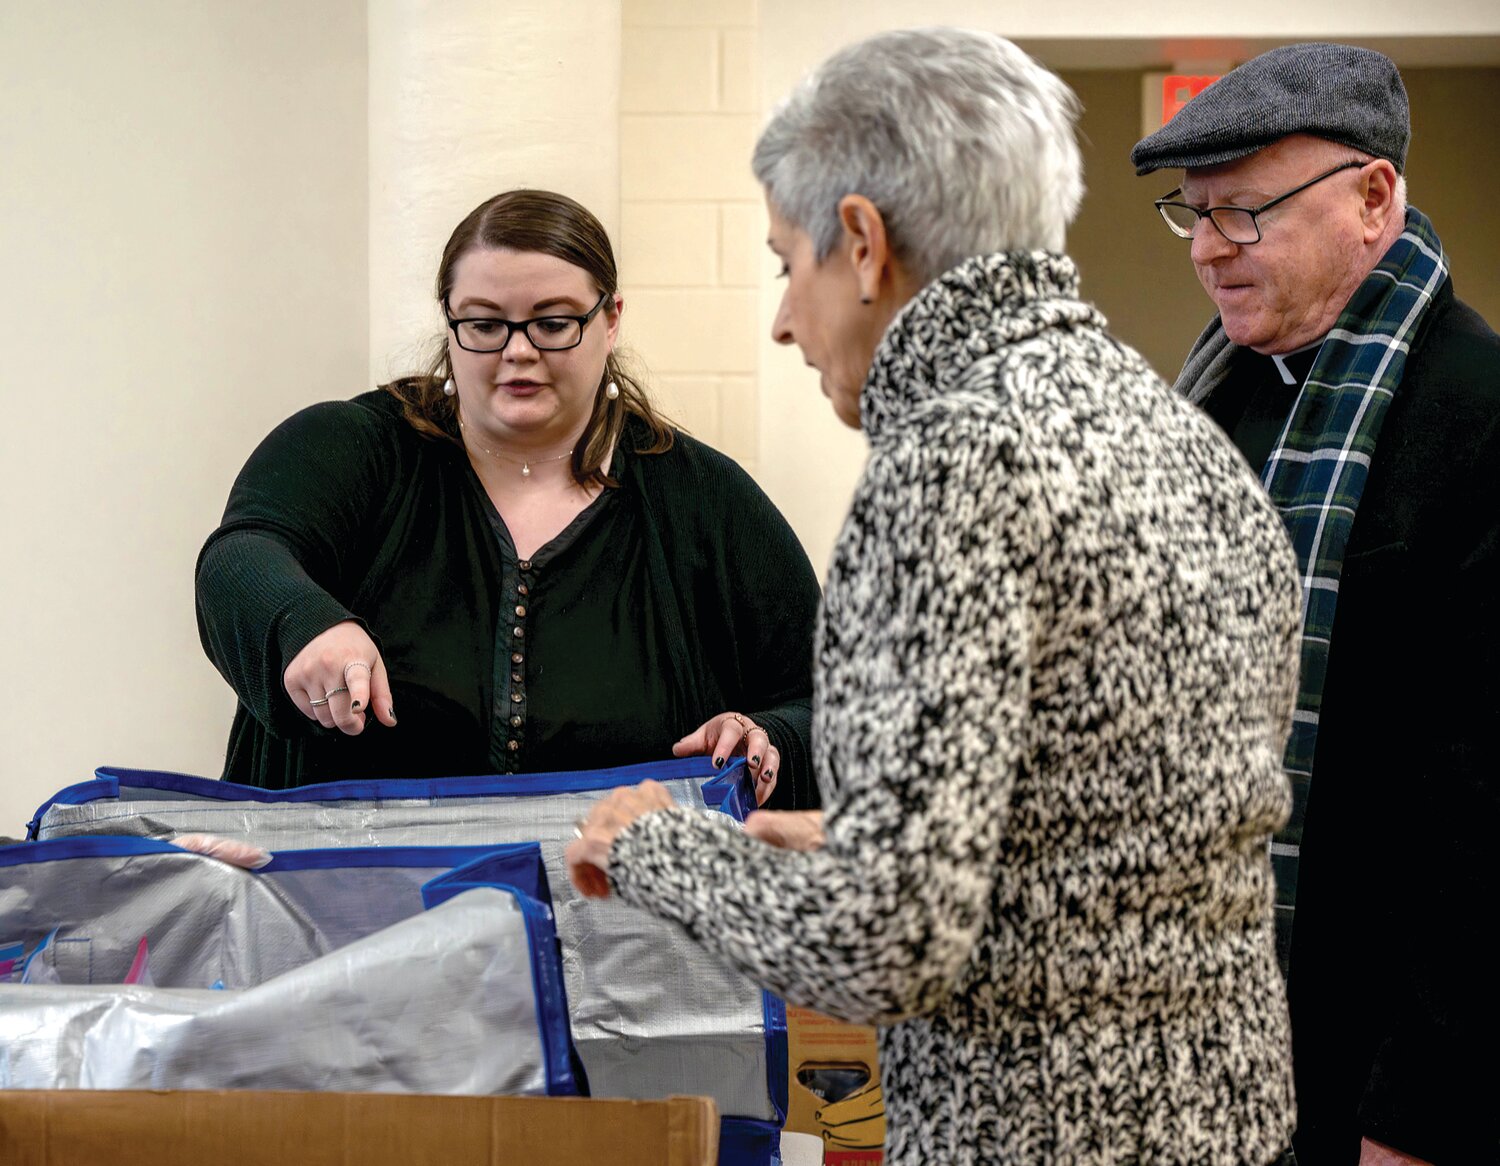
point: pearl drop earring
(612, 391)
(449, 388)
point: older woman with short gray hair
(960, 139)
(1055, 665)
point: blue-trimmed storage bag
(652, 1013)
(334, 970)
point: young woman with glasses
(511, 550)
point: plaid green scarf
(1317, 472)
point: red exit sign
(1177, 90)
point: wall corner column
(467, 99)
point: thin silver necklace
(525, 462)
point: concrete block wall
(692, 224)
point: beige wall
(462, 106)
(182, 264)
(691, 222)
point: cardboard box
(834, 1087)
(235, 1128)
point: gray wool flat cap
(1348, 95)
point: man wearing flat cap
(1367, 397)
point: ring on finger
(355, 664)
(333, 692)
(317, 704)
(578, 824)
(743, 723)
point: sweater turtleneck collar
(968, 313)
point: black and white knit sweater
(1055, 671)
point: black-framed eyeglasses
(1238, 224)
(546, 333)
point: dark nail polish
(355, 707)
(718, 762)
(755, 760)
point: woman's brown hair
(552, 224)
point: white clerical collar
(1288, 377)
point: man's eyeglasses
(547, 333)
(1238, 224)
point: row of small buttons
(518, 675)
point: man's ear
(864, 243)
(1379, 191)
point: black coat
(1392, 988)
(1392, 984)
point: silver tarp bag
(652, 1013)
(341, 970)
